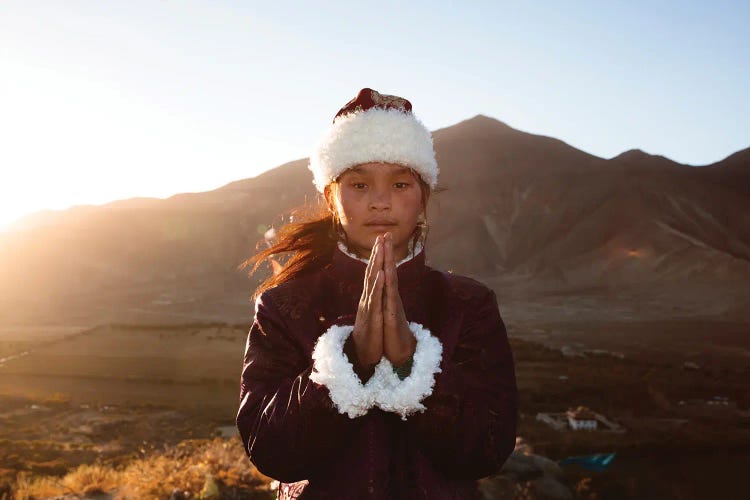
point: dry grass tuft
(84, 480)
(189, 468)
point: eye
(357, 184)
(403, 185)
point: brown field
(36, 333)
(115, 395)
(714, 344)
(149, 354)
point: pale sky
(109, 100)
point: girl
(367, 373)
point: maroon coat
(348, 446)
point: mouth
(380, 222)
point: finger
(388, 314)
(376, 297)
(393, 295)
(368, 270)
(390, 289)
(377, 250)
(394, 274)
(381, 250)
(390, 259)
(382, 267)
(372, 267)
(376, 313)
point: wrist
(363, 370)
(403, 370)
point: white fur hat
(374, 127)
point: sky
(102, 101)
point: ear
(426, 200)
(328, 197)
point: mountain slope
(511, 206)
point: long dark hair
(312, 235)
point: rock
(210, 488)
(497, 487)
(525, 474)
(549, 488)
(526, 467)
(178, 494)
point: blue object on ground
(598, 462)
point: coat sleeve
(468, 426)
(294, 411)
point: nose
(380, 199)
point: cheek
(413, 204)
(349, 208)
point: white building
(581, 418)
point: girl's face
(375, 198)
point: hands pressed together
(381, 327)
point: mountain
(733, 172)
(516, 210)
(519, 202)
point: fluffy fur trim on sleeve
(332, 369)
(404, 396)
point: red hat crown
(368, 98)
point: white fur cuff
(332, 368)
(404, 396)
